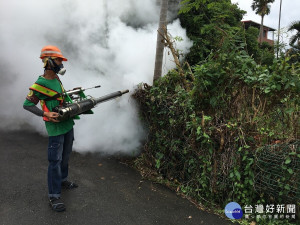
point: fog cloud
(107, 42)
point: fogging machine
(76, 103)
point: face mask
(61, 69)
(58, 69)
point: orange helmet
(52, 51)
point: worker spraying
(59, 108)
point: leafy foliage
(206, 22)
(209, 22)
(262, 7)
(210, 124)
(294, 52)
(205, 127)
(295, 39)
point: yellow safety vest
(48, 92)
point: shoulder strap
(43, 90)
(52, 94)
(62, 87)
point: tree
(160, 41)
(295, 39)
(294, 52)
(207, 23)
(262, 8)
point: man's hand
(52, 116)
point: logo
(233, 211)
(30, 93)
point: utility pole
(278, 30)
(160, 41)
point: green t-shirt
(53, 128)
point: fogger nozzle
(77, 108)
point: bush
(206, 127)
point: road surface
(109, 192)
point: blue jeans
(59, 150)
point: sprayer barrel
(77, 108)
(110, 96)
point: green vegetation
(217, 129)
(294, 52)
(205, 127)
(206, 23)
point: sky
(289, 13)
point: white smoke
(107, 42)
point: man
(48, 91)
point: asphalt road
(109, 192)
